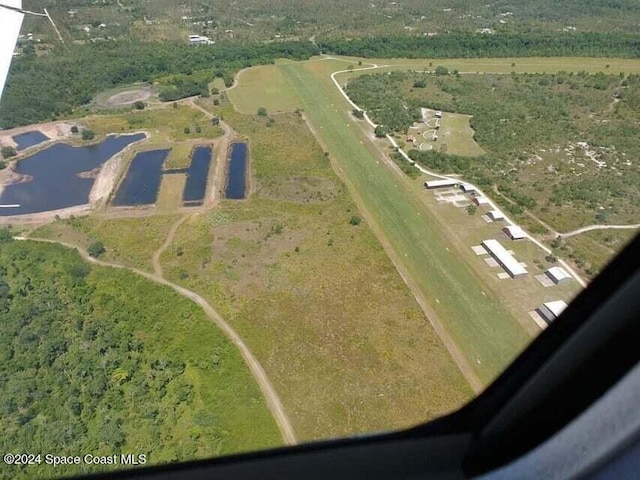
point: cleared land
(165, 123)
(455, 135)
(265, 87)
(124, 96)
(497, 65)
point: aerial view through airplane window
(235, 226)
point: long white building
(440, 184)
(504, 258)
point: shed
(552, 310)
(438, 114)
(480, 201)
(514, 232)
(559, 275)
(496, 215)
(468, 188)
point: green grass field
(482, 328)
(165, 123)
(455, 136)
(130, 241)
(263, 87)
(315, 297)
(497, 65)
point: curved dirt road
(157, 266)
(270, 395)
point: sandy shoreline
(54, 130)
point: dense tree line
(46, 87)
(86, 367)
(472, 45)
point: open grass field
(496, 65)
(263, 87)
(130, 241)
(315, 297)
(165, 122)
(170, 194)
(455, 135)
(179, 156)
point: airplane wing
(10, 23)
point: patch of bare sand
(127, 98)
(45, 217)
(105, 180)
(8, 176)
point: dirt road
(157, 266)
(270, 395)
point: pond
(142, 182)
(29, 139)
(196, 185)
(236, 177)
(51, 176)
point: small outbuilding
(496, 215)
(481, 201)
(558, 275)
(552, 310)
(468, 188)
(438, 114)
(514, 232)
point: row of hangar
(505, 258)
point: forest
(474, 45)
(47, 87)
(562, 145)
(257, 20)
(87, 367)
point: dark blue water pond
(55, 183)
(29, 139)
(196, 186)
(141, 185)
(236, 179)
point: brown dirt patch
(129, 97)
(250, 248)
(298, 189)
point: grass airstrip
(472, 310)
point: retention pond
(197, 175)
(142, 182)
(50, 180)
(237, 175)
(29, 139)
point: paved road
(272, 398)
